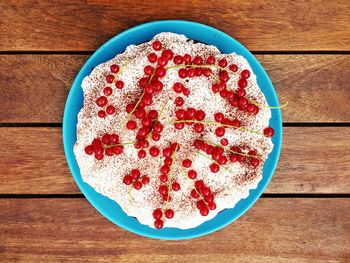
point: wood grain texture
(273, 230)
(313, 160)
(264, 25)
(316, 86)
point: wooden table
(304, 214)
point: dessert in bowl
(173, 131)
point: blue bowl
(144, 33)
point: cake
(173, 131)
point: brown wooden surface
(266, 25)
(35, 164)
(304, 216)
(316, 86)
(274, 229)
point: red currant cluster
(158, 214)
(180, 88)
(107, 91)
(204, 196)
(236, 156)
(186, 116)
(108, 145)
(195, 67)
(216, 152)
(219, 117)
(136, 179)
(165, 170)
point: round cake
(173, 131)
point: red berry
(180, 114)
(242, 83)
(214, 167)
(210, 60)
(158, 127)
(146, 122)
(187, 59)
(107, 91)
(179, 101)
(101, 101)
(224, 142)
(168, 53)
(186, 91)
(233, 158)
(152, 57)
(198, 72)
(250, 108)
(155, 136)
(199, 184)
(137, 185)
(157, 213)
(254, 162)
(148, 70)
(127, 179)
(182, 73)
(131, 125)
(163, 178)
(198, 60)
(194, 193)
(233, 67)
(236, 123)
(110, 78)
(241, 92)
(158, 86)
(158, 224)
(101, 114)
(205, 191)
(175, 186)
(154, 151)
(222, 159)
(178, 87)
(179, 125)
(209, 198)
(269, 132)
(163, 189)
(212, 205)
(175, 146)
(89, 150)
(140, 113)
(204, 211)
(220, 131)
(153, 114)
(141, 154)
(145, 180)
(114, 68)
(245, 74)
(160, 72)
(143, 82)
(192, 174)
(106, 139)
(162, 61)
(109, 151)
(223, 63)
(218, 116)
(165, 169)
(178, 59)
(198, 127)
(241, 158)
(199, 115)
(224, 76)
(118, 149)
(99, 156)
(190, 113)
(119, 84)
(242, 103)
(190, 72)
(168, 161)
(110, 110)
(200, 204)
(167, 152)
(186, 163)
(135, 173)
(169, 213)
(157, 45)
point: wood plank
(267, 25)
(313, 160)
(38, 93)
(273, 230)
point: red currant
(107, 91)
(175, 186)
(157, 45)
(160, 72)
(137, 185)
(245, 74)
(223, 63)
(210, 60)
(89, 150)
(186, 163)
(131, 125)
(242, 83)
(114, 68)
(269, 132)
(157, 213)
(152, 57)
(169, 213)
(119, 84)
(154, 151)
(214, 167)
(220, 131)
(110, 110)
(178, 59)
(141, 154)
(179, 101)
(101, 101)
(148, 70)
(192, 174)
(145, 180)
(158, 224)
(127, 179)
(101, 114)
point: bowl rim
(186, 233)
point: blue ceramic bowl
(137, 35)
